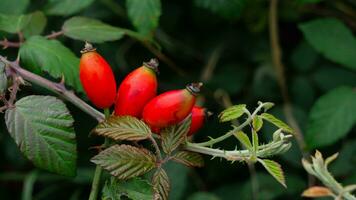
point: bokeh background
(227, 45)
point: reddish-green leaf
(161, 185)
(123, 128)
(189, 159)
(125, 161)
(175, 135)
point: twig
(279, 67)
(57, 88)
(5, 43)
(54, 35)
(209, 68)
(164, 58)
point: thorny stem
(5, 43)
(57, 88)
(230, 133)
(98, 170)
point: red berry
(171, 107)
(139, 87)
(199, 115)
(97, 78)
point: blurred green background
(225, 44)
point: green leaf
(36, 24)
(331, 117)
(257, 123)
(66, 7)
(341, 77)
(203, 196)
(13, 7)
(53, 57)
(144, 15)
(123, 128)
(272, 119)
(161, 185)
(304, 57)
(42, 127)
(228, 9)
(91, 30)
(232, 113)
(333, 39)
(274, 169)
(244, 139)
(135, 188)
(189, 159)
(13, 23)
(308, 1)
(125, 161)
(175, 135)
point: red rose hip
(199, 115)
(97, 78)
(139, 87)
(171, 107)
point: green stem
(28, 185)
(230, 133)
(98, 170)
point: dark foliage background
(226, 45)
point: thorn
(62, 80)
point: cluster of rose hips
(136, 95)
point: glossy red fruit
(97, 78)
(171, 107)
(199, 115)
(139, 87)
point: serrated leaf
(123, 128)
(144, 15)
(53, 57)
(66, 7)
(13, 23)
(267, 106)
(257, 123)
(36, 24)
(13, 6)
(135, 189)
(232, 113)
(91, 30)
(161, 185)
(229, 9)
(244, 139)
(189, 159)
(175, 135)
(331, 117)
(125, 161)
(274, 169)
(42, 127)
(277, 122)
(317, 191)
(327, 35)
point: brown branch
(279, 68)
(57, 88)
(165, 59)
(54, 35)
(6, 43)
